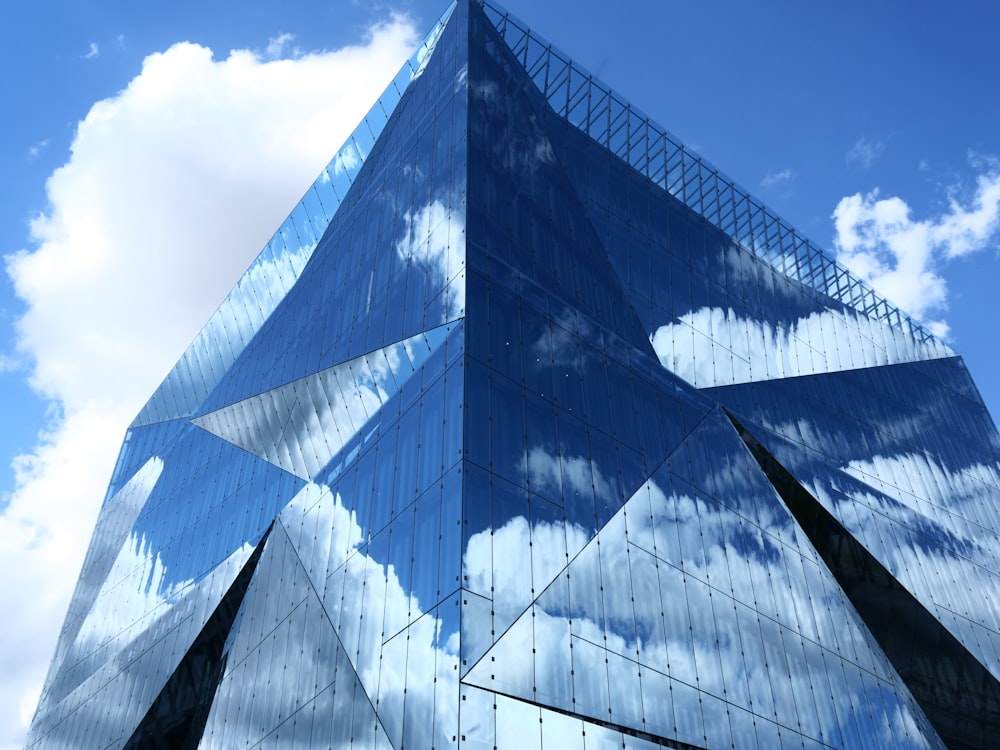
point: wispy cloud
(783, 177)
(36, 150)
(163, 178)
(93, 52)
(865, 151)
(880, 240)
(9, 363)
(279, 46)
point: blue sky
(150, 172)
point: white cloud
(902, 257)
(277, 46)
(93, 51)
(778, 178)
(171, 188)
(35, 150)
(10, 364)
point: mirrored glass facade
(530, 429)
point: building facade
(530, 429)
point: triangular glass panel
(160, 554)
(678, 590)
(525, 222)
(921, 505)
(112, 532)
(275, 271)
(178, 715)
(313, 690)
(391, 263)
(140, 445)
(137, 663)
(300, 426)
(959, 695)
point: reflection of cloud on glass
(930, 515)
(426, 50)
(302, 425)
(900, 723)
(486, 565)
(137, 588)
(145, 653)
(143, 589)
(928, 524)
(565, 337)
(696, 613)
(560, 476)
(461, 78)
(435, 239)
(488, 91)
(133, 665)
(523, 149)
(394, 617)
(913, 478)
(402, 650)
(103, 569)
(346, 160)
(543, 152)
(713, 346)
(228, 331)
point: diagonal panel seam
(543, 590)
(333, 627)
(161, 726)
(902, 627)
(613, 726)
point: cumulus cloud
(171, 188)
(902, 256)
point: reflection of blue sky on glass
(570, 441)
(301, 426)
(667, 595)
(407, 638)
(115, 543)
(924, 505)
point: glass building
(530, 429)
